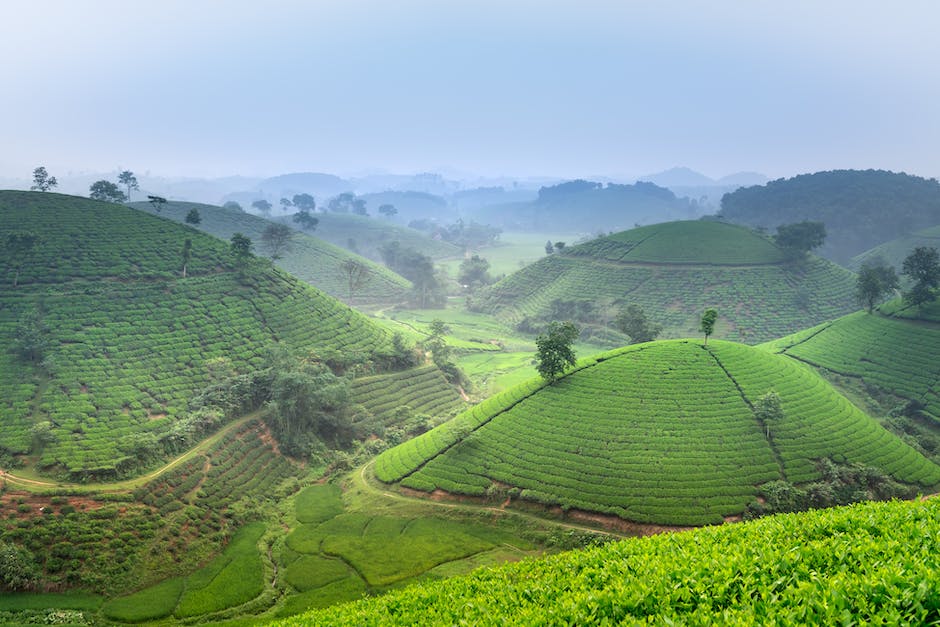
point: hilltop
(895, 251)
(125, 340)
(663, 432)
(872, 563)
(365, 235)
(860, 209)
(675, 270)
(309, 258)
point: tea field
(421, 390)
(126, 339)
(896, 250)
(874, 563)
(675, 271)
(308, 257)
(365, 235)
(662, 433)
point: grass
(308, 257)
(318, 503)
(675, 271)
(873, 563)
(656, 433)
(149, 604)
(19, 601)
(370, 233)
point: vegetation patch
(149, 604)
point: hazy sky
(211, 88)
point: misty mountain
(679, 176)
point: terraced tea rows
(308, 257)
(675, 283)
(125, 356)
(896, 356)
(896, 250)
(874, 563)
(422, 390)
(660, 433)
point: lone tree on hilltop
(42, 182)
(106, 191)
(286, 204)
(632, 321)
(305, 202)
(157, 202)
(128, 180)
(193, 217)
(276, 238)
(801, 237)
(387, 210)
(875, 281)
(19, 245)
(923, 267)
(554, 352)
(263, 206)
(240, 247)
(707, 325)
(356, 273)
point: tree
(31, 339)
(560, 246)
(388, 210)
(19, 245)
(356, 273)
(193, 217)
(231, 205)
(285, 204)
(801, 237)
(263, 206)
(128, 180)
(106, 191)
(240, 247)
(18, 568)
(187, 254)
(768, 410)
(276, 238)
(875, 281)
(554, 352)
(632, 321)
(549, 247)
(305, 202)
(157, 202)
(474, 272)
(42, 182)
(437, 344)
(708, 323)
(306, 221)
(348, 203)
(923, 267)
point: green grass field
(656, 433)
(675, 271)
(308, 257)
(867, 564)
(128, 337)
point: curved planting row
(424, 390)
(662, 433)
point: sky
(214, 88)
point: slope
(125, 340)
(365, 236)
(872, 564)
(889, 354)
(662, 432)
(309, 258)
(860, 209)
(896, 250)
(675, 270)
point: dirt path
(11, 478)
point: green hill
(860, 209)
(126, 338)
(365, 236)
(663, 432)
(868, 564)
(676, 270)
(896, 250)
(889, 355)
(309, 258)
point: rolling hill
(124, 340)
(309, 258)
(675, 270)
(364, 235)
(873, 564)
(860, 209)
(663, 432)
(893, 351)
(896, 250)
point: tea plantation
(867, 564)
(675, 271)
(889, 354)
(421, 390)
(896, 250)
(663, 432)
(308, 257)
(125, 338)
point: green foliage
(474, 272)
(18, 246)
(318, 503)
(871, 563)
(800, 237)
(923, 267)
(276, 237)
(633, 322)
(707, 324)
(42, 182)
(875, 281)
(31, 338)
(554, 351)
(150, 603)
(60, 600)
(240, 247)
(128, 180)
(427, 291)
(106, 191)
(193, 217)
(417, 391)
(17, 567)
(656, 433)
